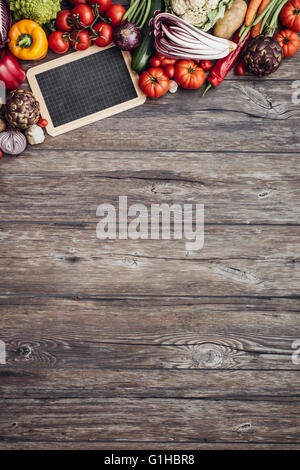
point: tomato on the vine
(78, 2)
(154, 82)
(289, 42)
(64, 21)
(189, 75)
(164, 61)
(115, 13)
(206, 64)
(240, 69)
(102, 34)
(80, 40)
(83, 16)
(290, 15)
(154, 62)
(42, 122)
(170, 71)
(103, 5)
(58, 42)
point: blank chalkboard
(85, 86)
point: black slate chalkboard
(86, 86)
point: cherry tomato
(78, 2)
(1, 154)
(154, 82)
(115, 13)
(189, 75)
(170, 71)
(64, 21)
(103, 5)
(154, 62)
(59, 42)
(42, 123)
(240, 69)
(83, 16)
(80, 40)
(206, 64)
(103, 34)
(164, 61)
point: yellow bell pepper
(28, 40)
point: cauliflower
(41, 11)
(201, 13)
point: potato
(232, 20)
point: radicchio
(6, 21)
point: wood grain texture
(187, 334)
(139, 344)
(146, 420)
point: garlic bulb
(12, 141)
(35, 135)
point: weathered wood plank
(235, 188)
(96, 275)
(239, 115)
(145, 420)
(153, 334)
(88, 383)
(33, 243)
(102, 445)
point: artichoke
(262, 55)
(22, 110)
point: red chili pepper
(11, 72)
(223, 66)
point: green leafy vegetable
(41, 11)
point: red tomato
(154, 82)
(64, 21)
(240, 69)
(290, 15)
(103, 5)
(80, 40)
(102, 32)
(115, 13)
(189, 75)
(78, 2)
(83, 16)
(154, 62)
(1, 154)
(59, 42)
(170, 71)
(206, 64)
(164, 61)
(289, 42)
(42, 123)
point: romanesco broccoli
(41, 11)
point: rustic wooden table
(137, 344)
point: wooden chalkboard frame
(54, 131)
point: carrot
(252, 9)
(256, 29)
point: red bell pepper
(223, 66)
(11, 71)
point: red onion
(177, 39)
(12, 141)
(6, 21)
(127, 36)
